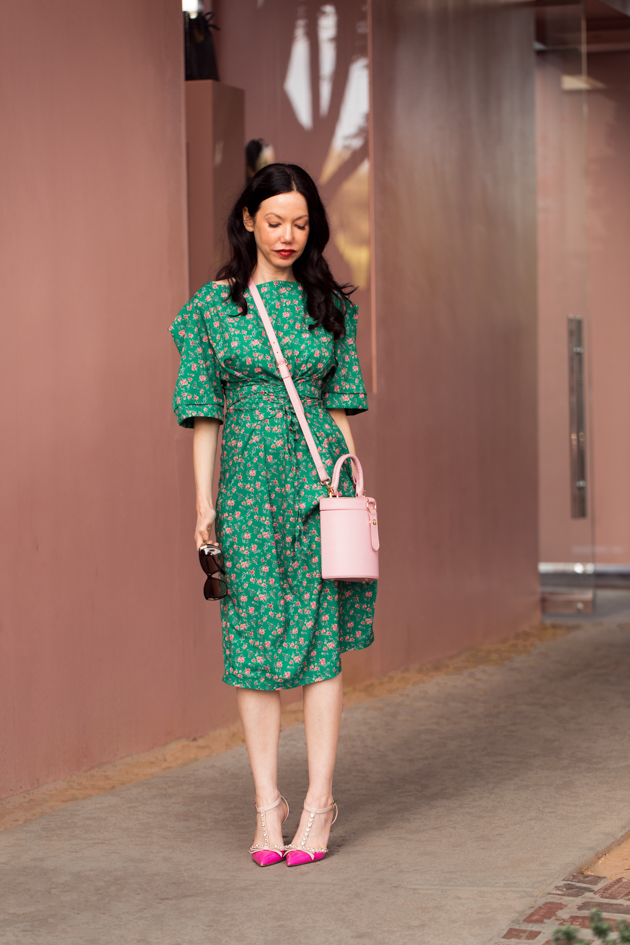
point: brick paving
(569, 902)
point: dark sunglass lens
(211, 563)
(219, 587)
(213, 567)
(214, 589)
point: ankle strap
(319, 810)
(262, 810)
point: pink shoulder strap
(285, 374)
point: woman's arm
(204, 454)
(340, 418)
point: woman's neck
(264, 272)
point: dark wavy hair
(326, 300)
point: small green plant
(567, 935)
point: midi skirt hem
(263, 683)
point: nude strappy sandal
(265, 854)
(299, 853)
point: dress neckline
(278, 282)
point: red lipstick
(285, 253)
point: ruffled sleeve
(344, 386)
(198, 392)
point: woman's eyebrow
(272, 213)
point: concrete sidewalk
(460, 800)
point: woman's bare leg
(323, 703)
(260, 717)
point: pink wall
(609, 238)
(105, 643)
(108, 647)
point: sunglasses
(211, 561)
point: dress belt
(270, 392)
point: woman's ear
(248, 220)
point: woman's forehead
(289, 204)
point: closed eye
(273, 226)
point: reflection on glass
(327, 36)
(350, 217)
(297, 84)
(580, 83)
(352, 125)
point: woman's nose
(287, 234)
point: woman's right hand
(205, 521)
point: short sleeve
(344, 386)
(198, 392)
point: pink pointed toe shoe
(299, 853)
(265, 854)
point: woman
(282, 625)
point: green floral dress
(282, 625)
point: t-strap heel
(299, 853)
(266, 854)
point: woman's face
(280, 228)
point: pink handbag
(349, 525)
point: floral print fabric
(282, 625)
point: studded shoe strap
(263, 820)
(262, 810)
(302, 845)
(322, 810)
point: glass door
(566, 552)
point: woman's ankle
(267, 798)
(319, 799)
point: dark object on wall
(201, 61)
(258, 153)
(252, 153)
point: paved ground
(570, 903)
(460, 800)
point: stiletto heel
(265, 854)
(301, 853)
